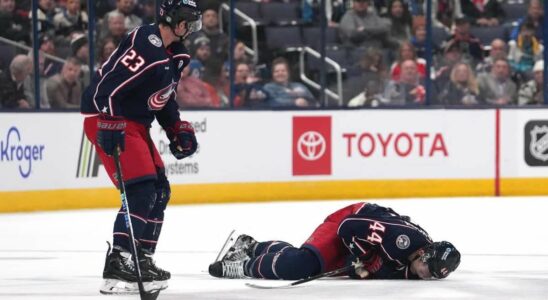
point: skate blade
(120, 287)
(227, 245)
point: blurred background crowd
(481, 52)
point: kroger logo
(11, 149)
(311, 145)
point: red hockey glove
(111, 133)
(182, 139)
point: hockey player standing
(386, 245)
(133, 87)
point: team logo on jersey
(155, 40)
(536, 143)
(159, 99)
(403, 242)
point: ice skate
(119, 275)
(229, 269)
(148, 266)
(237, 247)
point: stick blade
(264, 287)
(151, 295)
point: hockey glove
(111, 134)
(366, 265)
(182, 139)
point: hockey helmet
(442, 258)
(173, 12)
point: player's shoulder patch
(155, 40)
(403, 241)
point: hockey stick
(301, 281)
(151, 295)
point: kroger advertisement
(49, 151)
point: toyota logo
(311, 145)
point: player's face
(421, 269)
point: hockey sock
(141, 197)
(269, 247)
(290, 263)
(152, 231)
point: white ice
(60, 255)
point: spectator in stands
(497, 87)
(371, 95)
(248, 88)
(498, 50)
(334, 11)
(200, 53)
(64, 90)
(363, 27)
(408, 89)
(525, 50)
(125, 7)
(535, 15)
(149, 11)
(418, 40)
(106, 48)
(239, 55)
(451, 55)
(400, 21)
(218, 41)
(70, 20)
(406, 52)
(12, 94)
(445, 12)
(13, 24)
(470, 46)
(115, 27)
(462, 89)
(80, 50)
(483, 12)
(372, 76)
(46, 12)
(48, 66)
(193, 92)
(532, 92)
(285, 93)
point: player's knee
(297, 264)
(163, 192)
(141, 197)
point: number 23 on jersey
(133, 61)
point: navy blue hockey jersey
(376, 230)
(139, 80)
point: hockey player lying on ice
(388, 245)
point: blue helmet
(173, 12)
(442, 258)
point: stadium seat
(514, 11)
(283, 37)
(7, 53)
(340, 55)
(488, 34)
(251, 9)
(281, 13)
(311, 37)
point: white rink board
(514, 145)
(256, 146)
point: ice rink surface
(60, 255)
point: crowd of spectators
(385, 39)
